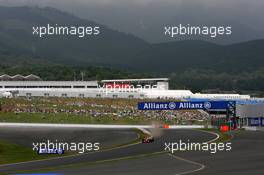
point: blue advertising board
(189, 105)
(254, 121)
(262, 121)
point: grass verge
(46, 170)
(62, 118)
(13, 153)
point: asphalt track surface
(27, 135)
(246, 157)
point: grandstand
(19, 77)
(33, 86)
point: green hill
(110, 47)
(191, 64)
(113, 48)
(193, 54)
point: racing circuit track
(246, 157)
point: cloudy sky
(146, 18)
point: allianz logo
(177, 105)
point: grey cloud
(145, 18)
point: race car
(148, 139)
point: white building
(123, 88)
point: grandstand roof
(19, 77)
(5, 77)
(32, 77)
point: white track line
(202, 166)
(214, 139)
(95, 126)
(188, 161)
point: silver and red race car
(148, 139)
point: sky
(147, 18)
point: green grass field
(12, 153)
(69, 118)
(63, 118)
